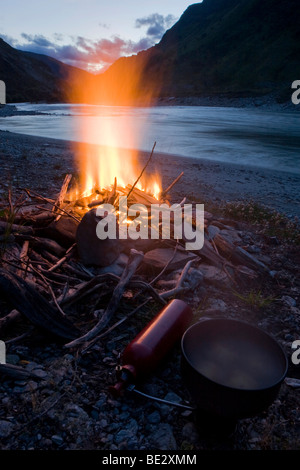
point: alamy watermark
(2, 92)
(160, 221)
(296, 354)
(2, 352)
(296, 95)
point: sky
(90, 34)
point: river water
(251, 137)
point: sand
(41, 163)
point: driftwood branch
(148, 161)
(163, 193)
(60, 199)
(134, 261)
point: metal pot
(232, 369)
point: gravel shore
(39, 163)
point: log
(10, 318)
(17, 372)
(134, 261)
(238, 255)
(44, 243)
(35, 307)
(60, 199)
(6, 227)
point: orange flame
(99, 164)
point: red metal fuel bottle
(143, 354)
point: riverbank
(41, 163)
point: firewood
(6, 227)
(238, 255)
(60, 199)
(16, 372)
(23, 255)
(134, 261)
(30, 303)
(141, 174)
(67, 256)
(44, 244)
(163, 193)
(8, 319)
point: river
(251, 137)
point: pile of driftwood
(43, 278)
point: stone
(173, 397)
(159, 258)
(163, 438)
(212, 231)
(190, 433)
(213, 275)
(216, 305)
(231, 236)
(63, 231)
(12, 359)
(117, 267)
(154, 418)
(58, 440)
(289, 300)
(5, 428)
(93, 251)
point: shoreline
(41, 163)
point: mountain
(34, 77)
(232, 48)
(227, 47)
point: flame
(100, 164)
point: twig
(109, 330)
(62, 260)
(60, 199)
(55, 205)
(148, 161)
(166, 266)
(163, 193)
(134, 261)
(11, 317)
(179, 286)
(23, 255)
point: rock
(58, 440)
(154, 418)
(289, 300)
(190, 433)
(231, 236)
(213, 275)
(291, 382)
(159, 258)
(127, 433)
(163, 438)
(173, 397)
(12, 359)
(63, 231)
(212, 231)
(92, 250)
(117, 267)
(5, 428)
(216, 305)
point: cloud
(157, 24)
(91, 55)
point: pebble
(58, 440)
(5, 428)
(190, 433)
(154, 418)
(289, 300)
(163, 438)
